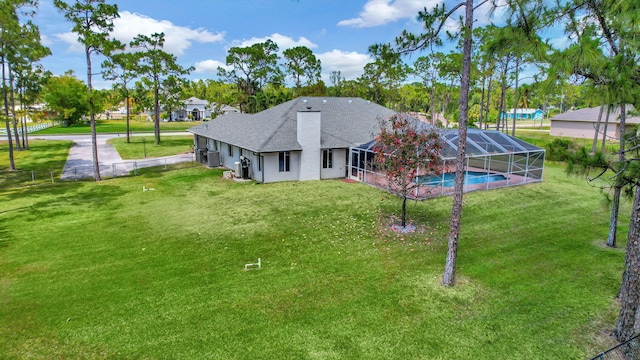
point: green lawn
(143, 146)
(105, 270)
(42, 155)
(542, 138)
(116, 126)
(43, 160)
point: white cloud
(177, 38)
(561, 42)
(284, 42)
(71, 39)
(209, 66)
(380, 12)
(44, 40)
(350, 64)
(494, 12)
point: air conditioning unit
(213, 158)
(201, 155)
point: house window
(327, 159)
(230, 148)
(284, 157)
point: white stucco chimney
(309, 125)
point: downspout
(261, 163)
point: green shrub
(560, 149)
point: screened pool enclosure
(494, 160)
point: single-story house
(582, 123)
(313, 138)
(200, 109)
(307, 138)
(523, 114)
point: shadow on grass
(43, 155)
(157, 171)
(55, 196)
(4, 238)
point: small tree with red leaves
(407, 148)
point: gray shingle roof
(195, 101)
(345, 122)
(591, 115)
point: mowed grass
(105, 270)
(116, 126)
(542, 139)
(42, 155)
(143, 146)
(44, 160)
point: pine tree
(93, 21)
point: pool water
(470, 178)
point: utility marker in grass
(255, 266)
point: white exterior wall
(200, 142)
(201, 109)
(229, 161)
(308, 126)
(212, 145)
(254, 158)
(226, 159)
(582, 129)
(272, 167)
(339, 165)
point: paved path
(79, 163)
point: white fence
(21, 178)
(127, 168)
(30, 129)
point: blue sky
(199, 32)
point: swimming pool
(470, 178)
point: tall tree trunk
(596, 135)
(94, 137)
(12, 164)
(23, 120)
(613, 222)
(449, 277)
(25, 130)
(486, 118)
(515, 100)
(13, 108)
(449, 96)
(503, 99)
(606, 125)
(128, 116)
(26, 115)
(630, 288)
(617, 190)
(156, 121)
(433, 103)
(484, 81)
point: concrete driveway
(79, 163)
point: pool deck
(425, 192)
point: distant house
(523, 114)
(195, 109)
(582, 123)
